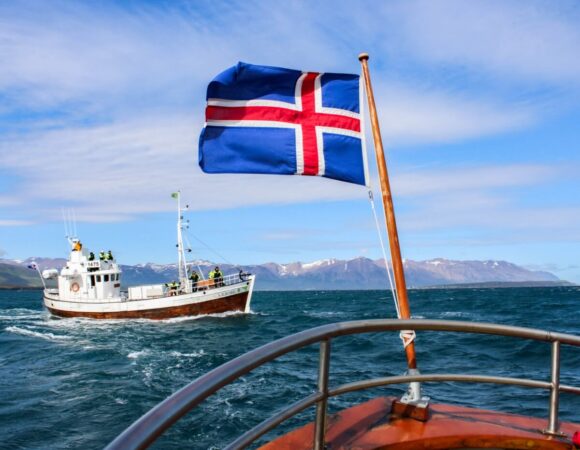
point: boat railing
(154, 423)
(227, 280)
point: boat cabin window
(98, 278)
(105, 278)
(92, 281)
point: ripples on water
(77, 383)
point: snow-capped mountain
(326, 274)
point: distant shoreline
(21, 288)
(486, 285)
(500, 285)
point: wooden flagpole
(389, 210)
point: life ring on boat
(74, 287)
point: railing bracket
(554, 433)
(412, 404)
(418, 411)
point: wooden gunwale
(373, 426)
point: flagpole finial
(363, 57)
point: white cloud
(13, 223)
(119, 96)
(114, 172)
(465, 179)
(8, 200)
(419, 115)
(480, 210)
(535, 39)
(105, 56)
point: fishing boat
(412, 421)
(91, 287)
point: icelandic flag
(33, 266)
(272, 120)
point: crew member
(102, 256)
(91, 257)
(78, 246)
(243, 275)
(217, 276)
(172, 287)
(110, 255)
(194, 278)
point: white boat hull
(235, 297)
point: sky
(102, 103)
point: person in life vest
(194, 278)
(91, 257)
(102, 256)
(78, 246)
(172, 287)
(110, 255)
(217, 276)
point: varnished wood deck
(371, 426)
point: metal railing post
(554, 390)
(146, 430)
(321, 406)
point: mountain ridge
(324, 274)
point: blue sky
(101, 104)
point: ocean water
(78, 383)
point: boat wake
(31, 333)
(201, 317)
(21, 314)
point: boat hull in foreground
(234, 298)
(372, 425)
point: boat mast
(389, 209)
(181, 262)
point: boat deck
(372, 425)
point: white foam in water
(82, 322)
(135, 355)
(323, 313)
(216, 315)
(455, 314)
(47, 336)
(21, 314)
(188, 355)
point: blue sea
(78, 383)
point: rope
(189, 248)
(391, 284)
(407, 336)
(217, 253)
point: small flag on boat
(174, 195)
(33, 266)
(272, 120)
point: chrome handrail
(151, 425)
